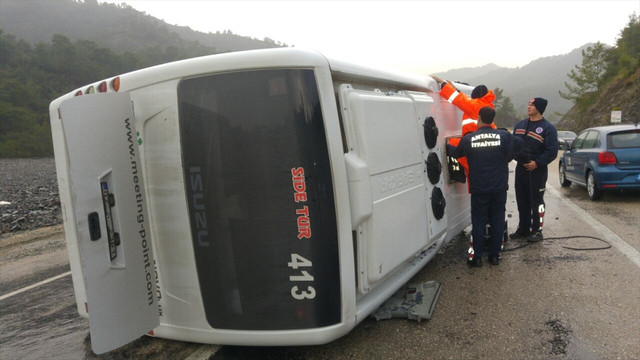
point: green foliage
(31, 77)
(98, 41)
(601, 65)
(506, 116)
(626, 57)
(590, 77)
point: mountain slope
(468, 73)
(122, 28)
(117, 27)
(543, 77)
(621, 94)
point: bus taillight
(115, 84)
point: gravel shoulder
(29, 197)
(32, 245)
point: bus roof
(260, 59)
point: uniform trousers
(530, 187)
(487, 208)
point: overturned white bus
(271, 197)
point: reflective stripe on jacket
(541, 141)
(470, 107)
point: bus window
(260, 199)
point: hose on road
(566, 247)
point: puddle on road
(550, 261)
(560, 332)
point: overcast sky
(419, 36)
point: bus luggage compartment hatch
(415, 301)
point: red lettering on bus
(304, 233)
(299, 186)
(304, 211)
(298, 180)
(300, 197)
(304, 224)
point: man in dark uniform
(541, 148)
(488, 153)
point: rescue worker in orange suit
(489, 152)
(480, 97)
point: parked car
(601, 158)
(565, 139)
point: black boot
(537, 236)
(476, 262)
(519, 234)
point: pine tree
(590, 77)
(505, 112)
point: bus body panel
(173, 213)
(178, 295)
(426, 108)
(384, 138)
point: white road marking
(6, 296)
(606, 233)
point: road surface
(544, 301)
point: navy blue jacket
(488, 152)
(540, 141)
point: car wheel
(562, 177)
(592, 188)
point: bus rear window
(260, 199)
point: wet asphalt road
(543, 301)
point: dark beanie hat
(479, 91)
(540, 104)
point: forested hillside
(542, 77)
(32, 76)
(118, 27)
(608, 79)
(48, 48)
(622, 94)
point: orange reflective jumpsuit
(470, 108)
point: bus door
(386, 174)
(108, 201)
